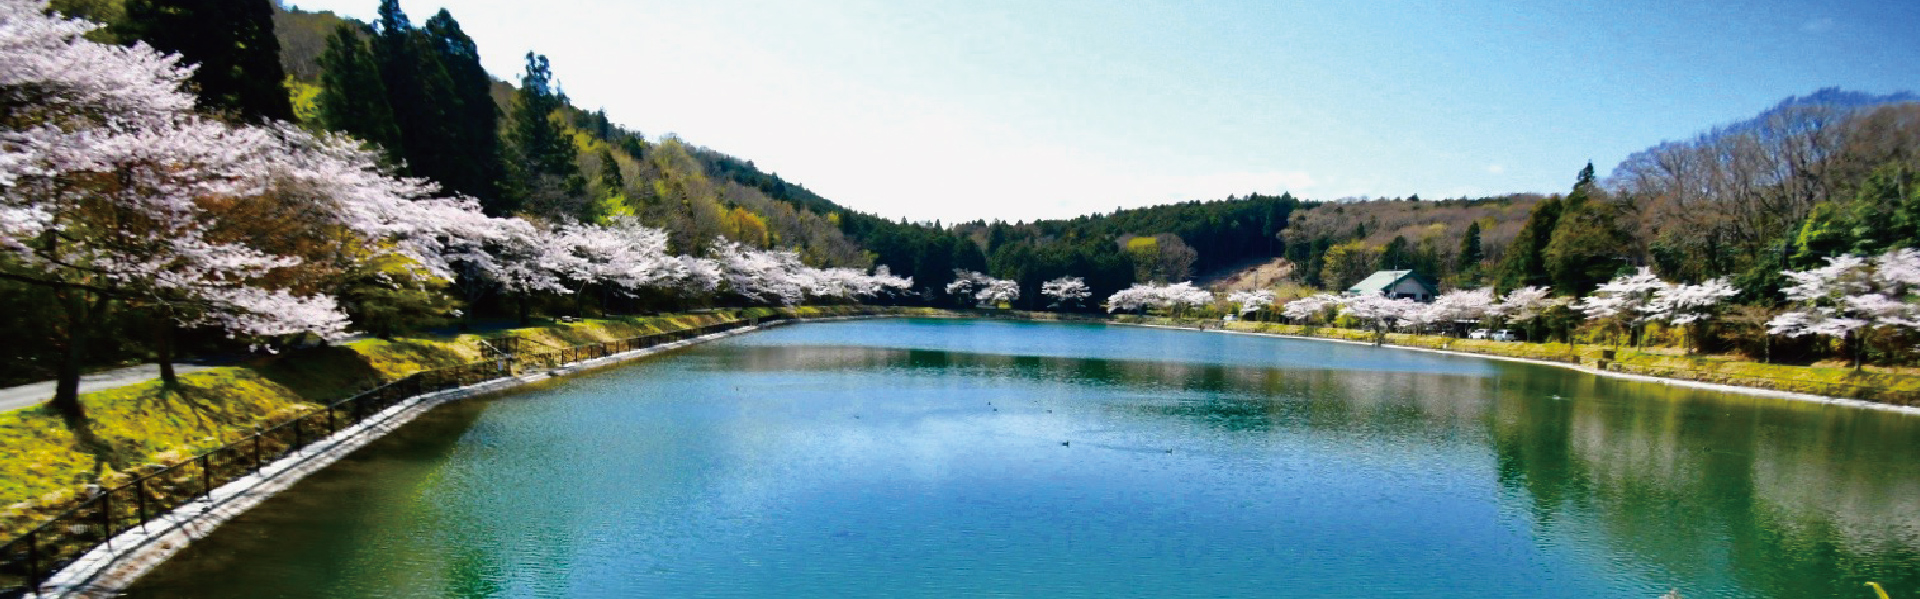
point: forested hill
(698, 194)
(1715, 205)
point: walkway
(32, 394)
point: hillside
(699, 194)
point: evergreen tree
(610, 177)
(1470, 253)
(1590, 242)
(545, 159)
(419, 91)
(231, 40)
(352, 97)
(1398, 255)
(1525, 263)
(475, 166)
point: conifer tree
(1589, 241)
(417, 89)
(545, 161)
(610, 177)
(352, 97)
(1525, 264)
(231, 40)
(1470, 251)
(473, 121)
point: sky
(1020, 109)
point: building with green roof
(1397, 284)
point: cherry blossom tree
(966, 285)
(771, 276)
(1419, 318)
(1462, 305)
(1527, 303)
(884, 284)
(996, 291)
(1067, 292)
(1136, 298)
(1691, 305)
(981, 290)
(1175, 298)
(1183, 296)
(1851, 294)
(1305, 309)
(1377, 313)
(1627, 301)
(112, 191)
(1252, 301)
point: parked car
(1477, 334)
(1505, 335)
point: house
(1397, 284)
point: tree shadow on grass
(88, 440)
(321, 375)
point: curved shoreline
(108, 569)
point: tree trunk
(163, 349)
(66, 390)
(1857, 344)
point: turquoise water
(993, 459)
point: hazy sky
(1025, 109)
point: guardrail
(28, 560)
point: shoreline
(106, 571)
(1761, 391)
(110, 568)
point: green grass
(1886, 387)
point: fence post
(259, 460)
(140, 497)
(106, 514)
(33, 559)
(206, 477)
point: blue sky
(1021, 109)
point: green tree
(475, 164)
(1348, 263)
(352, 97)
(1525, 263)
(544, 158)
(1827, 232)
(1885, 211)
(418, 90)
(1398, 255)
(1470, 254)
(1590, 241)
(232, 41)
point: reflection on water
(945, 459)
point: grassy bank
(46, 463)
(1885, 387)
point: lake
(933, 458)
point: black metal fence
(28, 560)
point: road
(33, 394)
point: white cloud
(1820, 25)
(1497, 168)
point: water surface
(910, 458)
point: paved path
(32, 394)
